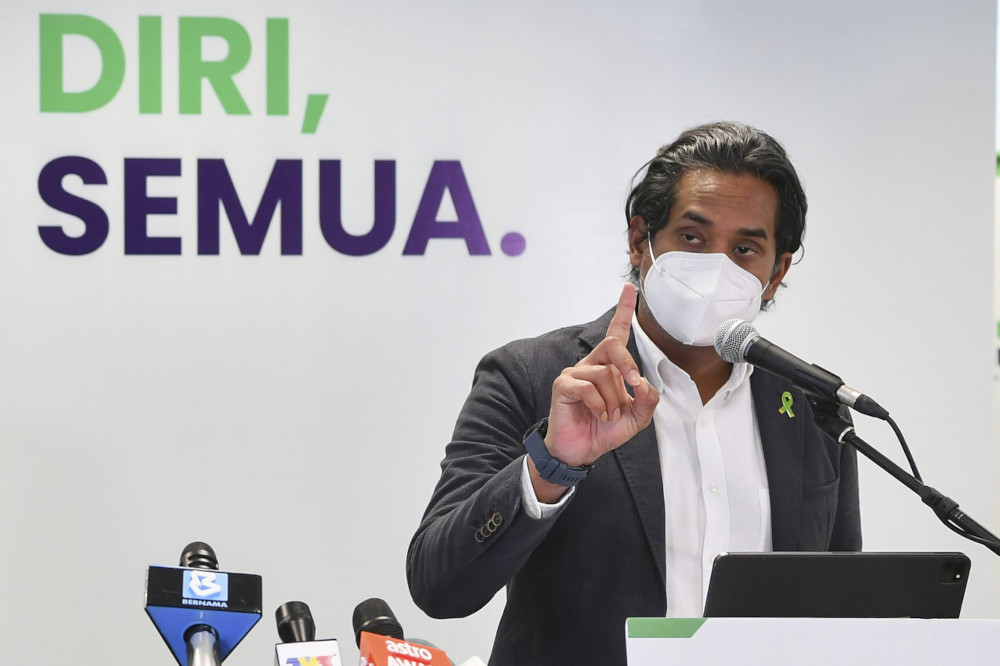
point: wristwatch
(549, 468)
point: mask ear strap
(652, 259)
(768, 283)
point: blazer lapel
(781, 437)
(639, 460)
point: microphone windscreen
(199, 555)
(295, 622)
(731, 338)
(373, 615)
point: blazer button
(490, 527)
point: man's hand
(591, 411)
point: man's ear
(637, 245)
(777, 275)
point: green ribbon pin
(786, 405)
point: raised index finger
(621, 323)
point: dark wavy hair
(727, 147)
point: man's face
(723, 213)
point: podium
(654, 641)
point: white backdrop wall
(291, 409)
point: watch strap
(549, 468)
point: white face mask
(691, 294)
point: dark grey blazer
(572, 581)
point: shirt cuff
(532, 506)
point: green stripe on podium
(662, 627)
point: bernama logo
(205, 588)
(215, 188)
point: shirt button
(713, 488)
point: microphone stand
(827, 416)
(202, 646)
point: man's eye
(745, 249)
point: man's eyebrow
(695, 217)
(753, 232)
(748, 232)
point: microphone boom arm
(827, 417)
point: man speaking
(597, 470)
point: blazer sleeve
(475, 535)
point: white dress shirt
(715, 491)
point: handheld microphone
(200, 612)
(374, 616)
(299, 646)
(737, 340)
(380, 639)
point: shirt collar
(661, 372)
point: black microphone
(380, 638)
(201, 613)
(374, 616)
(737, 340)
(299, 646)
(295, 622)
